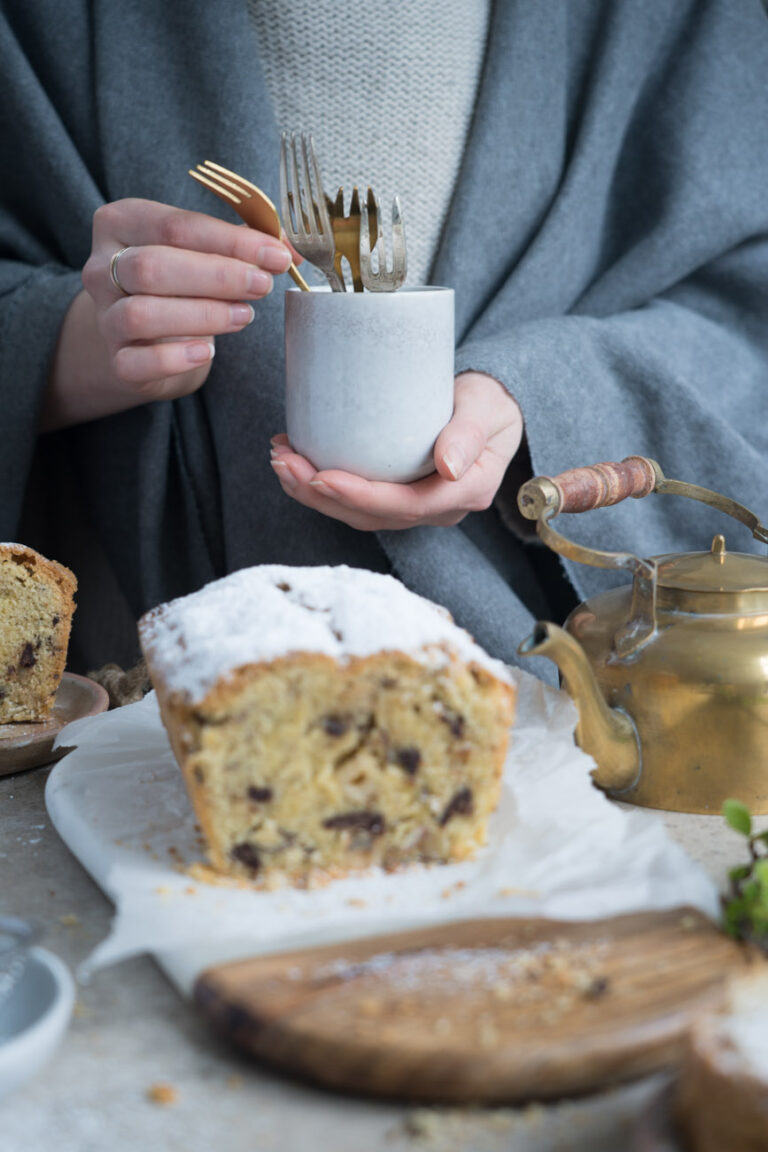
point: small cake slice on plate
(326, 720)
(722, 1093)
(36, 607)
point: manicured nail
(259, 283)
(241, 314)
(455, 461)
(284, 472)
(274, 259)
(323, 489)
(201, 351)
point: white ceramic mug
(369, 378)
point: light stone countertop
(131, 1030)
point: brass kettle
(670, 675)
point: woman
(605, 235)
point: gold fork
(251, 204)
(346, 233)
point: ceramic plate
(30, 745)
(34, 1018)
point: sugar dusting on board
(529, 974)
(263, 613)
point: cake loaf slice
(721, 1097)
(326, 720)
(36, 607)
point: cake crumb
(370, 1006)
(488, 1033)
(162, 1093)
(70, 920)
(234, 1082)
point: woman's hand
(187, 278)
(471, 456)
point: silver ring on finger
(113, 272)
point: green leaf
(760, 920)
(737, 817)
(740, 872)
(750, 893)
(734, 914)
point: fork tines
(224, 182)
(382, 279)
(303, 205)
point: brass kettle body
(670, 674)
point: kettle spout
(607, 734)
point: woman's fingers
(167, 251)
(147, 222)
(182, 278)
(148, 318)
(484, 415)
(376, 505)
(151, 270)
(153, 370)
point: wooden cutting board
(478, 1011)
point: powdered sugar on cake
(263, 613)
(745, 1025)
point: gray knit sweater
(387, 91)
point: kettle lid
(716, 572)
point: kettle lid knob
(718, 547)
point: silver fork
(383, 279)
(303, 206)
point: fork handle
(297, 278)
(335, 280)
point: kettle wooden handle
(594, 486)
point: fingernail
(259, 283)
(200, 351)
(274, 259)
(284, 472)
(455, 461)
(323, 489)
(241, 314)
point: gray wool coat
(607, 242)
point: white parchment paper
(557, 848)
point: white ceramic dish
(34, 1018)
